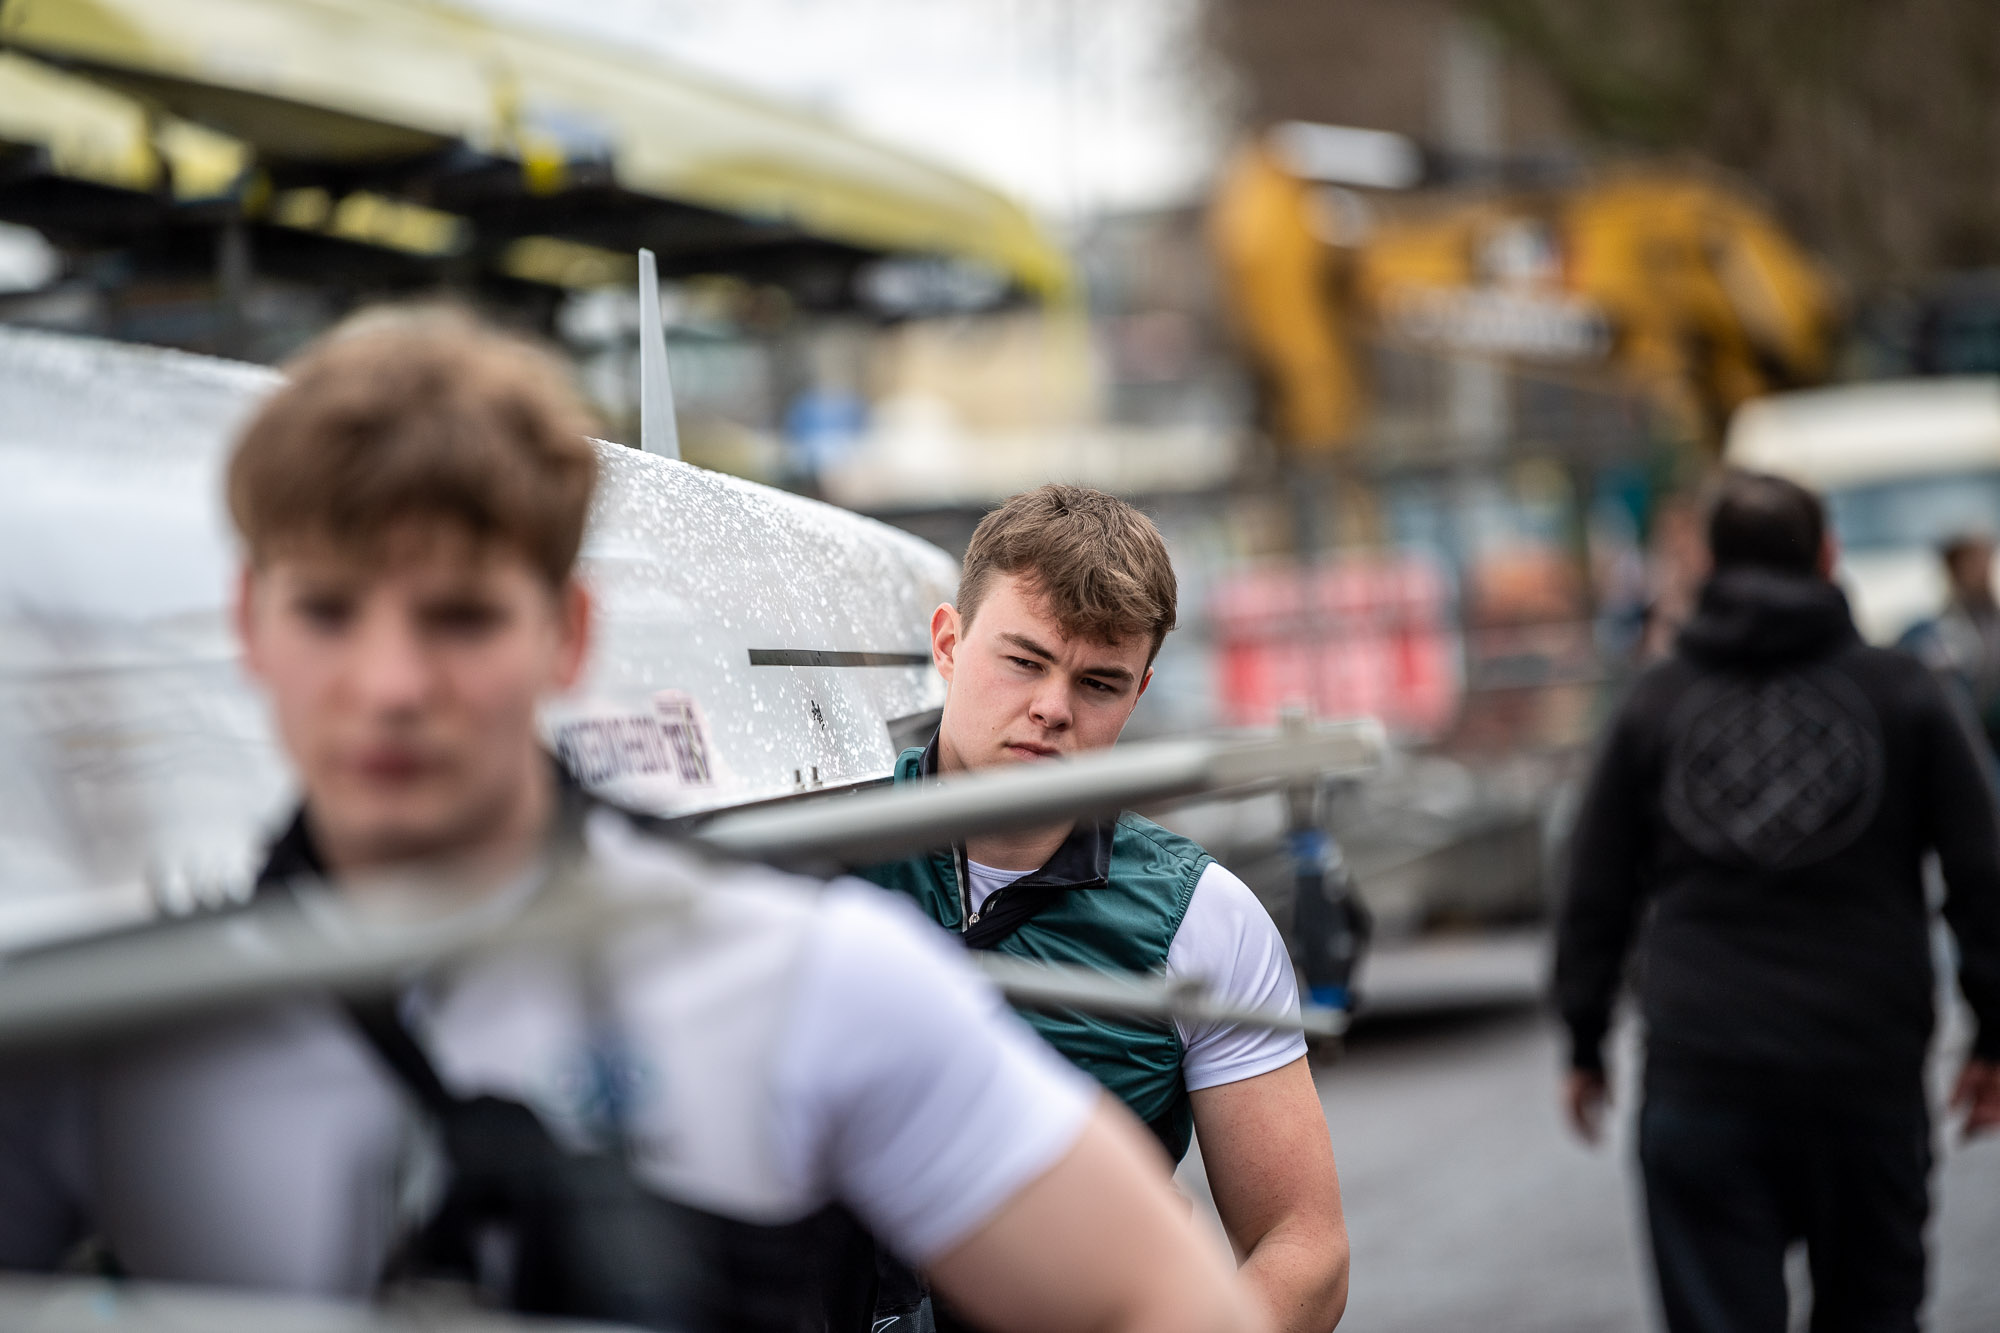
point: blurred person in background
(1962, 643)
(1676, 565)
(679, 1137)
(1065, 598)
(1758, 821)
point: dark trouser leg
(1864, 1222)
(1715, 1205)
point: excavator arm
(1699, 299)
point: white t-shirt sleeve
(1228, 940)
(907, 1088)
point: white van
(1903, 464)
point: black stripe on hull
(827, 657)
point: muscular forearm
(1265, 1148)
(1299, 1280)
(1208, 1313)
(1098, 1243)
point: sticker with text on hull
(646, 758)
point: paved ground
(1470, 1208)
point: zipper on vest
(967, 918)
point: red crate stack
(1358, 634)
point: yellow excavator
(1668, 284)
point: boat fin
(657, 432)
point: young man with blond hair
(1066, 596)
(666, 1136)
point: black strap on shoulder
(382, 1027)
(589, 1239)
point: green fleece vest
(1124, 921)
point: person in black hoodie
(1758, 821)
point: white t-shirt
(782, 1047)
(1228, 940)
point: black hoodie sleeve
(1962, 827)
(1605, 889)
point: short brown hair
(423, 415)
(1099, 563)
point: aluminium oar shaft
(1032, 985)
(273, 949)
(879, 825)
(131, 978)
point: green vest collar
(1082, 861)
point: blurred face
(1019, 689)
(405, 690)
(1971, 567)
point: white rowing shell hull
(750, 642)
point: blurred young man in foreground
(666, 1132)
(1757, 824)
(1065, 598)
